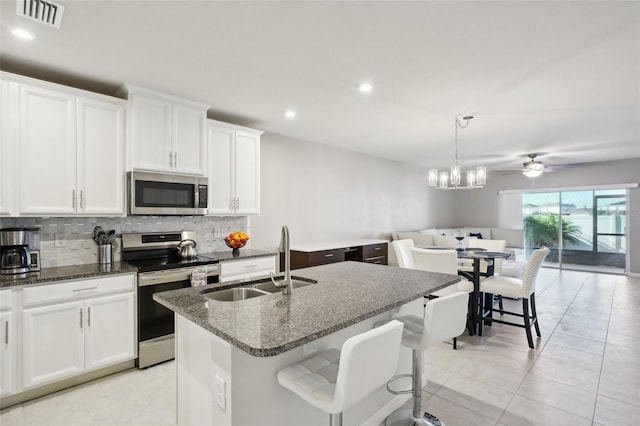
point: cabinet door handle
(328, 255)
(81, 199)
(73, 198)
(175, 159)
(170, 158)
(377, 248)
(84, 289)
(80, 318)
(6, 332)
(238, 203)
(89, 316)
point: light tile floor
(584, 371)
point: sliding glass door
(583, 229)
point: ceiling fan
(534, 168)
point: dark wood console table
(314, 254)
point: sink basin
(296, 281)
(234, 294)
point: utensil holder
(104, 253)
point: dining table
(477, 312)
(477, 301)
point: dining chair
(445, 262)
(518, 288)
(402, 251)
(488, 245)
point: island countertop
(346, 293)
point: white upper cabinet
(167, 134)
(70, 149)
(234, 169)
(101, 154)
(46, 152)
(7, 151)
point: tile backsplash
(69, 240)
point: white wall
(481, 207)
(325, 194)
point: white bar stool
(444, 318)
(335, 380)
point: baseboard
(17, 398)
(634, 274)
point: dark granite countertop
(346, 293)
(60, 273)
(76, 272)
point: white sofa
(443, 237)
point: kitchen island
(228, 353)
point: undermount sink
(234, 294)
(297, 282)
(254, 288)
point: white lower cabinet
(52, 342)
(66, 338)
(109, 335)
(7, 343)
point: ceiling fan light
(536, 166)
(532, 173)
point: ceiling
(559, 78)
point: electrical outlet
(309, 348)
(59, 240)
(221, 393)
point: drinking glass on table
(459, 235)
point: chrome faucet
(286, 284)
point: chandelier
(443, 179)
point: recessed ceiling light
(22, 34)
(365, 87)
(290, 114)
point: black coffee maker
(15, 255)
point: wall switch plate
(309, 348)
(59, 240)
(221, 393)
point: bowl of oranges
(235, 241)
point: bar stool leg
(406, 417)
(335, 419)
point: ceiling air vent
(44, 11)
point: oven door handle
(161, 277)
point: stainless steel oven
(160, 269)
(166, 194)
(156, 341)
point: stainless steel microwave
(164, 194)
